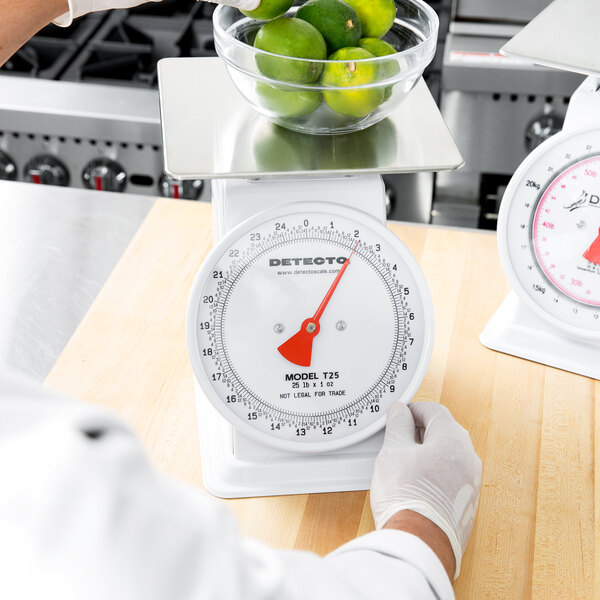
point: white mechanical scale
(305, 323)
(309, 318)
(549, 242)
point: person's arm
(83, 514)
(429, 532)
(20, 19)
(427, 467)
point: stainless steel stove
(497, 108)
(79, 106)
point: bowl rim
(434, 19)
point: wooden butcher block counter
(534, 427)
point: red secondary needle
(593, 252)
(298, 348)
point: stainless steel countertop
(57, 248)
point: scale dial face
(296, 346)
(549, 232)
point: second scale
(550, 232)
(549, 220)
(308, 318)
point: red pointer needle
(593, 252)
(298, 349)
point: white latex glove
(78, 8)
(439, 478)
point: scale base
(515, 329)
(235, 466)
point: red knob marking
(98, 183)
(36, 178)
(176, 191)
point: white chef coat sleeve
(84, 515)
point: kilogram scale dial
(549, 220)
(308, 318)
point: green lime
(353, 102)
(286, 102)
(376, 16)
(269, 9)
(387, 68)
(376, 46)
(294, 38)
(335, 19)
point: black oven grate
(126, 49)
(48, 53)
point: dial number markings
(549, 232)
(563, 221)
(374, 329)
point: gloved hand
(78, 8)
(439, 478)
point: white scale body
(274, 427)
(549, 244)
(295, 245)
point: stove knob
(540, 129)
(104, 174)
(47, 170)
(8, 169)
(170, 187)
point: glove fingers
(437, 423)
(400, 424)
(431, 418)
(425, 412)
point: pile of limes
(324, 30)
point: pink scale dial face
(566, 231)
(549, 232)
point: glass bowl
(305, 107)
